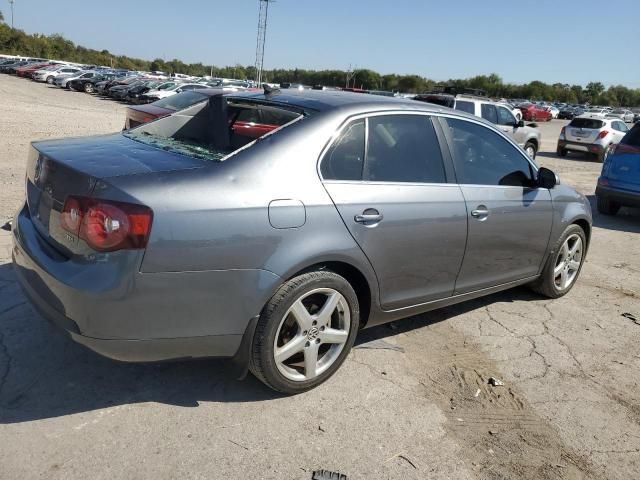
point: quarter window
(489, 113)
(468, 107)
(482, 157)
(403, 148)
(345, 158)
(619, 126)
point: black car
(134, 93)
(87, 85)
(569, 113)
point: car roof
(327, 100)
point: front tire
(606, 207)
(88, 88)
(564, 264)
(305, 332)
(50, 79)
(531, 150)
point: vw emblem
(313, 333)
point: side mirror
(520, 124)
(546, 178)
(179, 90)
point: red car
(28, 71)
(245, 123)
(533, 113)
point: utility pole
(11, 2)
(263, 17)
(351, 75)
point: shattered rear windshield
(182, 147)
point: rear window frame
(586, 121)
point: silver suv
(591, 135)
(527, 137)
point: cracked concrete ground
(569, 408)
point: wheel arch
(356, 278)
(586, 227)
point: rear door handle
(369, 216)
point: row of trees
(17, 42)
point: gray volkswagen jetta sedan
(271, 227)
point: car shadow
(573, 157)
(44, 374)
(626, 220)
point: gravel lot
(570, 407)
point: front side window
(482, 157)
(468, 107)
(489, 113)
(345, 158)
(505, 117)
(403, 148)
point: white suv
(499, 114)
(591, 135)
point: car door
(509, 217)
(393, 194)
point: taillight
(107, 226)
(563, 133)
(603, 134)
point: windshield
(166, 86)
(182, 147)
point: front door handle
(369, 216)
(481, 212)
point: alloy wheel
(568, 262)
(531, 151)
(312, 334)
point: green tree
(593, 90)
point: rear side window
(489, 113)
(619, 126)
(403, 148)
(465, 107)
(345, 158)
(591, 123)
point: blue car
(619, 182)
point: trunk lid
(57, 169)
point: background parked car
(157, 94)
(591, 135)
(534, 113)
(554, 111)
(50, 74)
(62, 81)
(622, 113)
(619, 182)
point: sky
(568, 41)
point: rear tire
(562, 152)
(307, 327)
(88, 88)
(606, 207)
(563, 266)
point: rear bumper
(145, 317)
(626, 198)
(580, 147)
